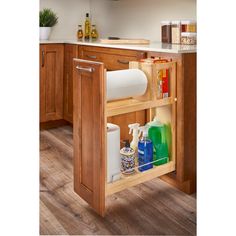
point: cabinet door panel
(89, 133)
(51, 82)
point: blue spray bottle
(145, 150)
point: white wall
(71, 13)
(141, 18)
(122, 18)
(101, 13)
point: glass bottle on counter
(94, 33)
(87, 27)
(80, 33)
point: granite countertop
(152, 47)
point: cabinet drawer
(117, 62)
(91, 56)
(113, 59)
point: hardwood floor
(152, 208)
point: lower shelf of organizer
(139, 177)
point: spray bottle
(133, 128)
(145, 150)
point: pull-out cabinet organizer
(91, 111)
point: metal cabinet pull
(43, 54)
(123, 62)
(91, 56)
(89, 69)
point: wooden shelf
(132, 105)
(139, 177)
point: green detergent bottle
(160, 135)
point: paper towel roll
(125, 83)
(113, 152)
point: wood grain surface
(51, 82)
(152, 208)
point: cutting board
(125, 41)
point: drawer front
(117, 62)
(91, 56)
(113, 59)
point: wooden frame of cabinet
(71, 51)
(89, 131)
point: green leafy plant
(47, 18)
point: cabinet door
(71, 51)
(89, 132)
(51, 82)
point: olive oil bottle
(87, 27)
(94, 33)
(80, 33)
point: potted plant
(47, 19)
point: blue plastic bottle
(145, 150)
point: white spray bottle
(134, 129)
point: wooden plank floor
(152, 208)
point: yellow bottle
(87, 27)
(94, 33)
(80, 33)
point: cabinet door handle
(91, 56)
(43, 54)
(88, 69)
(123, 62)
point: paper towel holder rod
(89, 69)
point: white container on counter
(175, 32)
(188, 38)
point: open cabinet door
(89, 132)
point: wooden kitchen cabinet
(51, 82)
(56, 98)
(116, 59)
(70, 52)
(91, 113)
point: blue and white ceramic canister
(127, 160)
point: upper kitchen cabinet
(51, 82)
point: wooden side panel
(71, 51)
(89, 133)
(51, 82)
(190, 109)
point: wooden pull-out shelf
(139, 177)
(90, 132)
